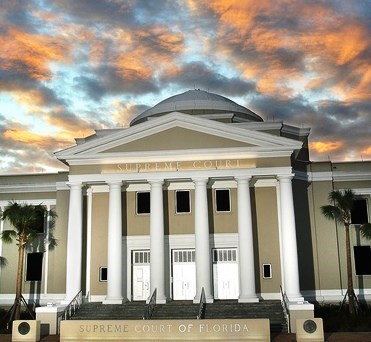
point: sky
(68, 67)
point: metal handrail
(71, 308)
(284, 302)
(202, 306)
(150, 306)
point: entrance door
(141, 275)
(225, 270)
(184, 274)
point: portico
(244, 180)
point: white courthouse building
(199, 192)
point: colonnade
(157, 241)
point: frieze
(221, 164)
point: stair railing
(150, 306)
(70, 309)
(202, 306)
(284, 301)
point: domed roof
(198, 102)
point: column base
(66, 300)
(209, 300)
(113, 301)
(295, 299)
(161, 300)
(248, 299)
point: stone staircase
(223, 309)
(271, 309)
(98, 311)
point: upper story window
(359, 214)
(222, 200)
(40, 224)
(182, 201)
(143, 202)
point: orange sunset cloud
(68, 67)
(34, 139)
(30, 53)
(325, 146)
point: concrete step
(130, 311)
(220, 309)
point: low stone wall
(181, 330)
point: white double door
(141, 275)
(184, 274)
(225, 273)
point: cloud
(28, 55)
(295, 38)
(110, 80)
(74, 66)
(199, 75)
(325, 146)
(124, 112)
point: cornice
(339, 176)
(25, 188)
(41, 201)
(148, 128)
(182, 155)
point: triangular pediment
(172, 133)
(177, 138)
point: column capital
(243, 178)
(155, 181)
(75, 184)
(114, 182)
(200, 180)
(287, 177)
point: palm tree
(28, 222)
(340, 211)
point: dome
(202, 103)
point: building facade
(198, 193)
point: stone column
(1, 230)
(89, 210)
(157, 243)
(74, 242)
(46, 259)
(245, 242)
(203, 262)
(114, 248)
(289, 244)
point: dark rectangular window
(34, 266)
(39, 222)
(223, 200)
(359, 211)
(362, 260)
(267, 271)
(183, 203)
(102, 273)
(143, 202)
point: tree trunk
(350, 291)
(18, 291)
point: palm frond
(52, 243)
(344, 200)
(3, 261)
(331, 212)
(8, 235)
(366, 230)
